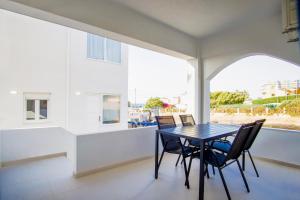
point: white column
(206, 100)
(203, 94)
(193, 89)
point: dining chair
(188, 120)
(172, 144)
(221, 160)
(250, 141)
(224, 145)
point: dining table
(203, 133)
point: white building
(51, 75)
(280, 88)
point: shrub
(291, 107)
(270, 100)
(227, 98)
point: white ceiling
(200, 18)
(169, 26)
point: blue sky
(155, 74)
(252, 72)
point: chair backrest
(187, 120)
(254, 133)
(239, 141)
(165, 122)
(170, 143)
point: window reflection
(111, 109)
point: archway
(256, 86)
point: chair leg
(189, 169)
(224, 183)
(177, 160)
(213, 168)
(181, 161)
(206, 171)
(243, 160)
(186, 174)
(160, 159)
(253, 163)
(242, 173)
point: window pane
(95, 46)
(113, 51)
(30, 109)
(111, 109)
(43, 109)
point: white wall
(32, 59)
(99, 150)
(262, 37)
(92, 78)
(278, 144)
(38, 56)
(0, 148)
(18, 144)
(104, 149)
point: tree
(226, 98)
(154, 103)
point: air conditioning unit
(290, 20)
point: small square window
(37, 106)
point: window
(30, 109)
(111, 109)
(102, 48)
(36, 107)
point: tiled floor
(52, 179)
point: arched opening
(254, 87)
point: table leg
(156, 153)
(201, 175)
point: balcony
(52, 179)
(54, 161)
(92, 172)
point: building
(66, 77)
(280, 88)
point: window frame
(102, 109)
(37, 97)
(105, 60)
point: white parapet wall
(279, 145)
(96, 151)
(29, 143)
(0, 149)
(101, 150)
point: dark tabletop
(205, 132)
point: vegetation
(154, 103)
(278, 99)
(227, 98)
(291, 107)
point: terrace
(60, 159)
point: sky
(153, 74)
(252, 72)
